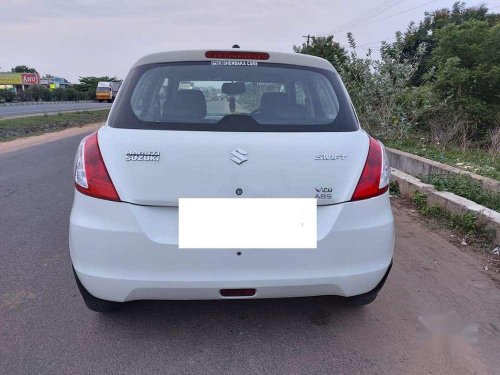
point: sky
(73, 38)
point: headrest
(189, 105)
(272, 104)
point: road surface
(46, 329)
(31, 109)
(222, 107)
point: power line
(369, 13)
(371, 43)
(390, 16)
(396, 14)
(379, 9)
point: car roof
(199, 55)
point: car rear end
(285, 128)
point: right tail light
(376, 173)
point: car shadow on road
(296, 335)
(315, 311)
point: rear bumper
(124, 252)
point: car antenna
(236, 46)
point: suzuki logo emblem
(238, 156)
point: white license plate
(247, 223)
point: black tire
(361, 300)
(99, 100)
(369, 297)
(94, 303)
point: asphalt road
(438, 313)
(222, 106)
(31, 109)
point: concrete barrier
(419, 166)
(37, 103)
(409, 185)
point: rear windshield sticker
(234, 63)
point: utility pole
(308, 37)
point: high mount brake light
(374, 179)
(237, 55)
(91, 175)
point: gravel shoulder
(22, 143)
(21, 127)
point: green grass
(26, 126)
(474, 160)
(467, 223)
(466, 187)
(394, 188)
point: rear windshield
(102, 89)
(233, 97)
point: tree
(378, 89)
(23, 69)
(326, 48)
(440, 78)
(90, 83)
(467, 59)
(426, 32)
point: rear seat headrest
(188, 104)
(272, 102)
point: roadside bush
(38, 92)
(495, 141)
(71, 94)
(90, 95)
(450, 127)
(388, 106)
(46, 94)
(7, 96)
(22, 96)
(58, 94)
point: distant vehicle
(298, 137)
(107, 91)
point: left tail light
(91, 176)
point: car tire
(94, 303)
(369, 297)
(361, 300)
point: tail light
(237, 55)
(376, 173)
(91, 175)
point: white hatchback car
(229, 124)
